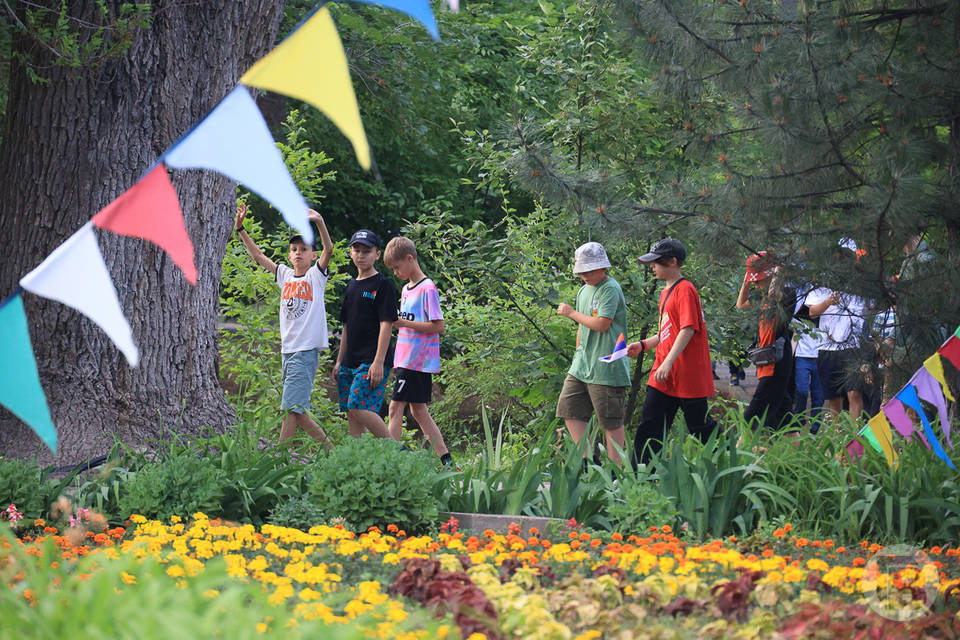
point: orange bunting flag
(151, 210)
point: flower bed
(520, 584)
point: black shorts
(412, 386)
(838, 372)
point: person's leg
(616, 437)
(802, 384)
(288, 427)
(361, 420)
(855, 398)
(429, 427)
(695, 415)
(757, 411)
(364, 402)
(395, 427)
(608, 405)
(298, 369)
(315, 431)
(575, 406)
(659, 410)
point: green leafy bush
(181, 485)
(636, 505)
(297, 513)
(26, 485)
(370, 481)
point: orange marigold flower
(828, 543)
(653, 529)
(488, 533)
(936, 550)
(767, 553)
(617, 536)
(596, 542)
(858, 562)
(864, 544)
(39, 522)
(573, 535)
(534, 531)
(666, 529)
(788, 527)
(392, 528)
(546, 544)
(575, 545)
(802, 542)
(779, 533)
(49, 530)
(584, 536)
(732, 539)
(841, 549)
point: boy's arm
(429, 328)
(249, 244)
(598, 324)
(324, 260)
(649, 344)
(683, 339)
(743, 299)
(383, 344)
(816, 310)
(343, 348)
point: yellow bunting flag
(310, 65)
(934, 365)
(881, 431)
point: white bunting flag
(76, 275)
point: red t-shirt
(691, 375)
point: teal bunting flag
(20, 389)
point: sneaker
(735, 381)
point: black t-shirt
(366, 304)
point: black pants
(773, 399)
(659, 410)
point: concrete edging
(477, 522)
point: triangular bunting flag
(898, 418)
(908, 396)
(951, 350)
(310, 65)
(928, 389)
(619, 350)
(76, 275)
(880, 429)
(234, 140)
(957, 333)
(934, 365)
(454, 5)
(418, 9)
(867, 434)
(20, 389)
(151, 210)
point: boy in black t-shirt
(366, 353)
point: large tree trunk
(70, 147)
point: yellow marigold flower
(128, 578)
(138, 519)
(175, 519)
(211, 593)
(817, 565)
(589, 635)
(175, 571)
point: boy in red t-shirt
(681, 377)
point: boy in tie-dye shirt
(417, 356)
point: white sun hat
(590, 256)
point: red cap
(759, 267)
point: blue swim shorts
(355, 390)
(299, 370)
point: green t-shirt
(606, 301)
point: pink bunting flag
(951, 350)
(928, 389)
(151, 210)
(899, 420)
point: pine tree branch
(696, 37)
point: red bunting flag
(151, 210)
(951, 350)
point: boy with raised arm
(303, 321)
(417, 356)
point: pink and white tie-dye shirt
(419, 351)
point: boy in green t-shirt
(592, 385)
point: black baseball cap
(365, 237)
(666, 248)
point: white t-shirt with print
(303, 314)
(841, 324)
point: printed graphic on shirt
(415, 350)
(297, 297)
(596, 307)
(665, 327)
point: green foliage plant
(26, 484)
(178, 484)
(719, 488)
(370, 481)
(297, 513)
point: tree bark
(71, 146)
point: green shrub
(370, 481)
(26, 485)
(179, 485)
(637, 505)
(297, 513)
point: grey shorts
(579, 400)
(299, 370)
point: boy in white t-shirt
(303, 321)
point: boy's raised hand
(241, 214)
(314, 217)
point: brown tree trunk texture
(73, 145)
